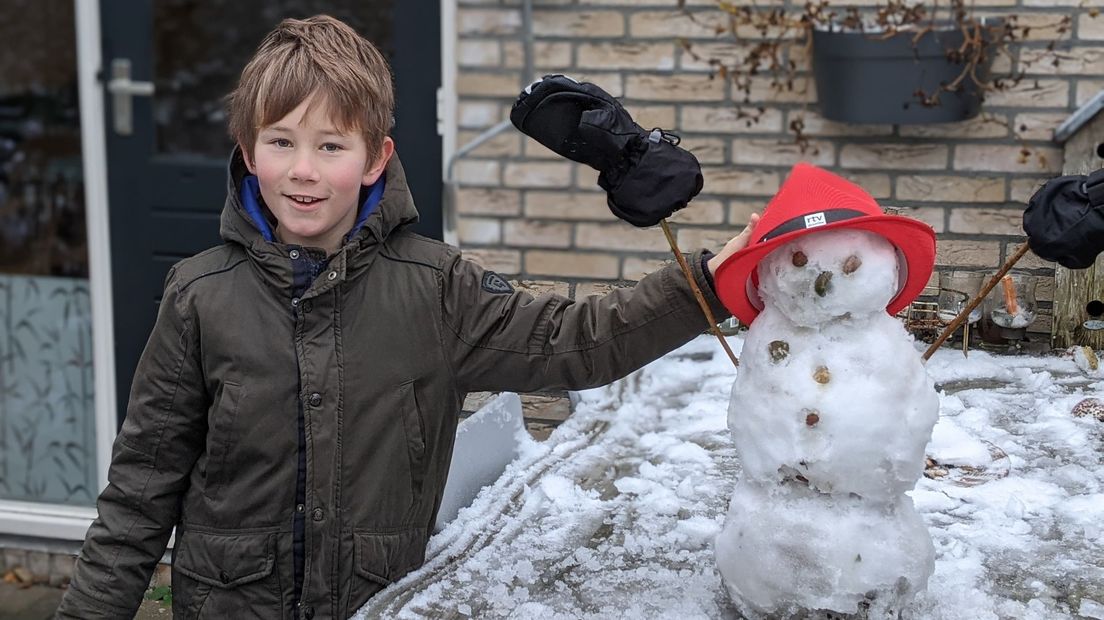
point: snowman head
(822, 276)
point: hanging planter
(902, 78)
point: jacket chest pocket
(226, 576)
(415, 431)
(221, 434)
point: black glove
(1064, 220)
(647, 177)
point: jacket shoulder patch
(494, 283)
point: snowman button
(812, 417)
(822, 376)
(799, 259)
(851, 265)
(779, 350)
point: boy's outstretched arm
(160, 440)
(501, 340)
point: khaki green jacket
(380, 353)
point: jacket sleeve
(160, 440)
(513, 341)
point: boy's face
(311, 173)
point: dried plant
(771, 36)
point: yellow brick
(1042, 26)
(485, 201)
(1031, 93)
(739, 211)
(674, 87)
(1022, 188)
(477, 172)
(537, 174)
(986, 221)
(571, 264)
(537, 233)
(1008, 158)
(636, 268)
(1030, 260)
(967, 253)
(619, 236)
(943, 188)
(730, 118)
(568, 205)
(478, 114)
(803, 90)
(982, 126)
(728, 180)
(875, 184)
(479, 53)
(1038, 125)
(707, 57)
(635, 56)
(817, 125)
(1076, 61)
(479, 231)
(506, 144)
(1087, 89)
(578, 24)
(1090, 27)
(707, 150)
(713, 239)
(700, 211)
(781, 152)
(893, 155)
(501, 261)
(547, 55)
(488, 21)
(480, 84)
(675, 24)
(932, 216)
(649, 116)
(536, 288)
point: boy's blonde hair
(320, 55)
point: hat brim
(914, 240)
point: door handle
(123, 90)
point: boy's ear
(374, 170)
(249, 165)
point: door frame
(62, 522)
(58, 520)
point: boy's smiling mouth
(303, 200)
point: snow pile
(613, 515)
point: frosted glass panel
(47, 421)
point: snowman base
(790, 552)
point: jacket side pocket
(221, 421)
(414, 429)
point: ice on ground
(1025, 546)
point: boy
(294, 410)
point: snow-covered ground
(614, 515)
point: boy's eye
(330, 147)
(281, 142)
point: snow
(614, 515)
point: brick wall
(527, 213)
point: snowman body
(830, 414)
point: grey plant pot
(861, 78)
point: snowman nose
(821, 283)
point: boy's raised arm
(508, 340)
(159, 443)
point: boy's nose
(303, 169)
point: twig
(976, 300)
(713, 329)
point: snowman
(831, 408)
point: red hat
(812, 200)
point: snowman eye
(799, 259)
(852, 264)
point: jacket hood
(396, 210)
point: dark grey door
(167, 151)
